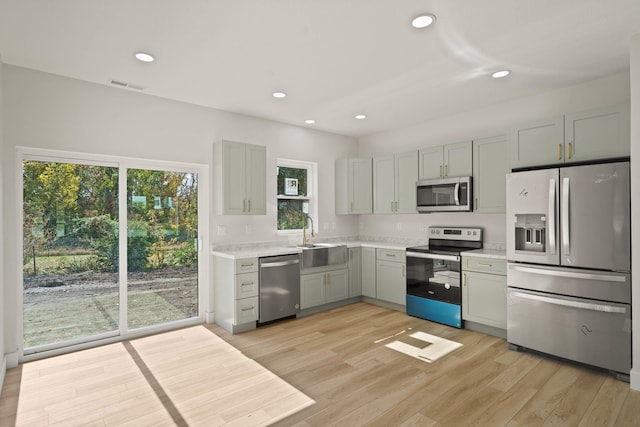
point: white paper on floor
(434, 347)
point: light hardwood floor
(330, 357)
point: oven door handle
(570, 303)
(433, 256)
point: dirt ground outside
(61, 307)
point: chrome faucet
(304, 229)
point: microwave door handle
(552, 216)
(566, 244)
(456, 194)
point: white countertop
(257, 252)
(487, 253)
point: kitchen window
(296, 192)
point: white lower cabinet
(484, 291)
(235, 293)
(355, 272)
(323, 287)
(246, 310)
(391, 279)
(369, 272)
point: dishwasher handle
(279, 263)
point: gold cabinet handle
(446, 170)
(480, 264)
(475, 204)
(404, 272)
(464, 280)
(244, 206)
(569, 150)
(350, 207)
(559, 151)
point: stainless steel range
(433, 274)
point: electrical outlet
(222, 230)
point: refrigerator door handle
(570, 303)
(569, 274)
(552, 216)
(456, 194)
(566, 244)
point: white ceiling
(334, 58)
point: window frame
(312, 191)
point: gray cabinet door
(355, 272)
(406, 173)
(256, 182)
(360, 186)
(490, 167)
(383, 184)
(597, 134)
(538, 143)
(312, 290)
(430, 163)
(391, 282)
(484, 298)
(458, 159)
(353, 186)
(234, 178)
(369, 272)
(337, 285)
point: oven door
(434, 276)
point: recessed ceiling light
(309, 121)
(145, 57)
(279, 95)
(423, 21)
(500, 74)
(361, 117)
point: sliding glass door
(162, 246)
(76, 287)
(70, 246)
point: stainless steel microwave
(444, 195)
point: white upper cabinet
(239, 178)
(394, 183)
(446, 161)
(353, 186)
(597, 134)
(490, 167)
(587, 135)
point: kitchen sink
(322, 254)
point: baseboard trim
(635, 379)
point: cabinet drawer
(391, 255)
(246, 310)
(246, 265)
(485, 265)
(246, 285)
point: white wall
(481, 123)
(635, 205)
(53, 112)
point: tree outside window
(295, 194)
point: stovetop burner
(451, 240)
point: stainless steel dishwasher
(279, 287)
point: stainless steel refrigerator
(569, 263)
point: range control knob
(447, 286)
